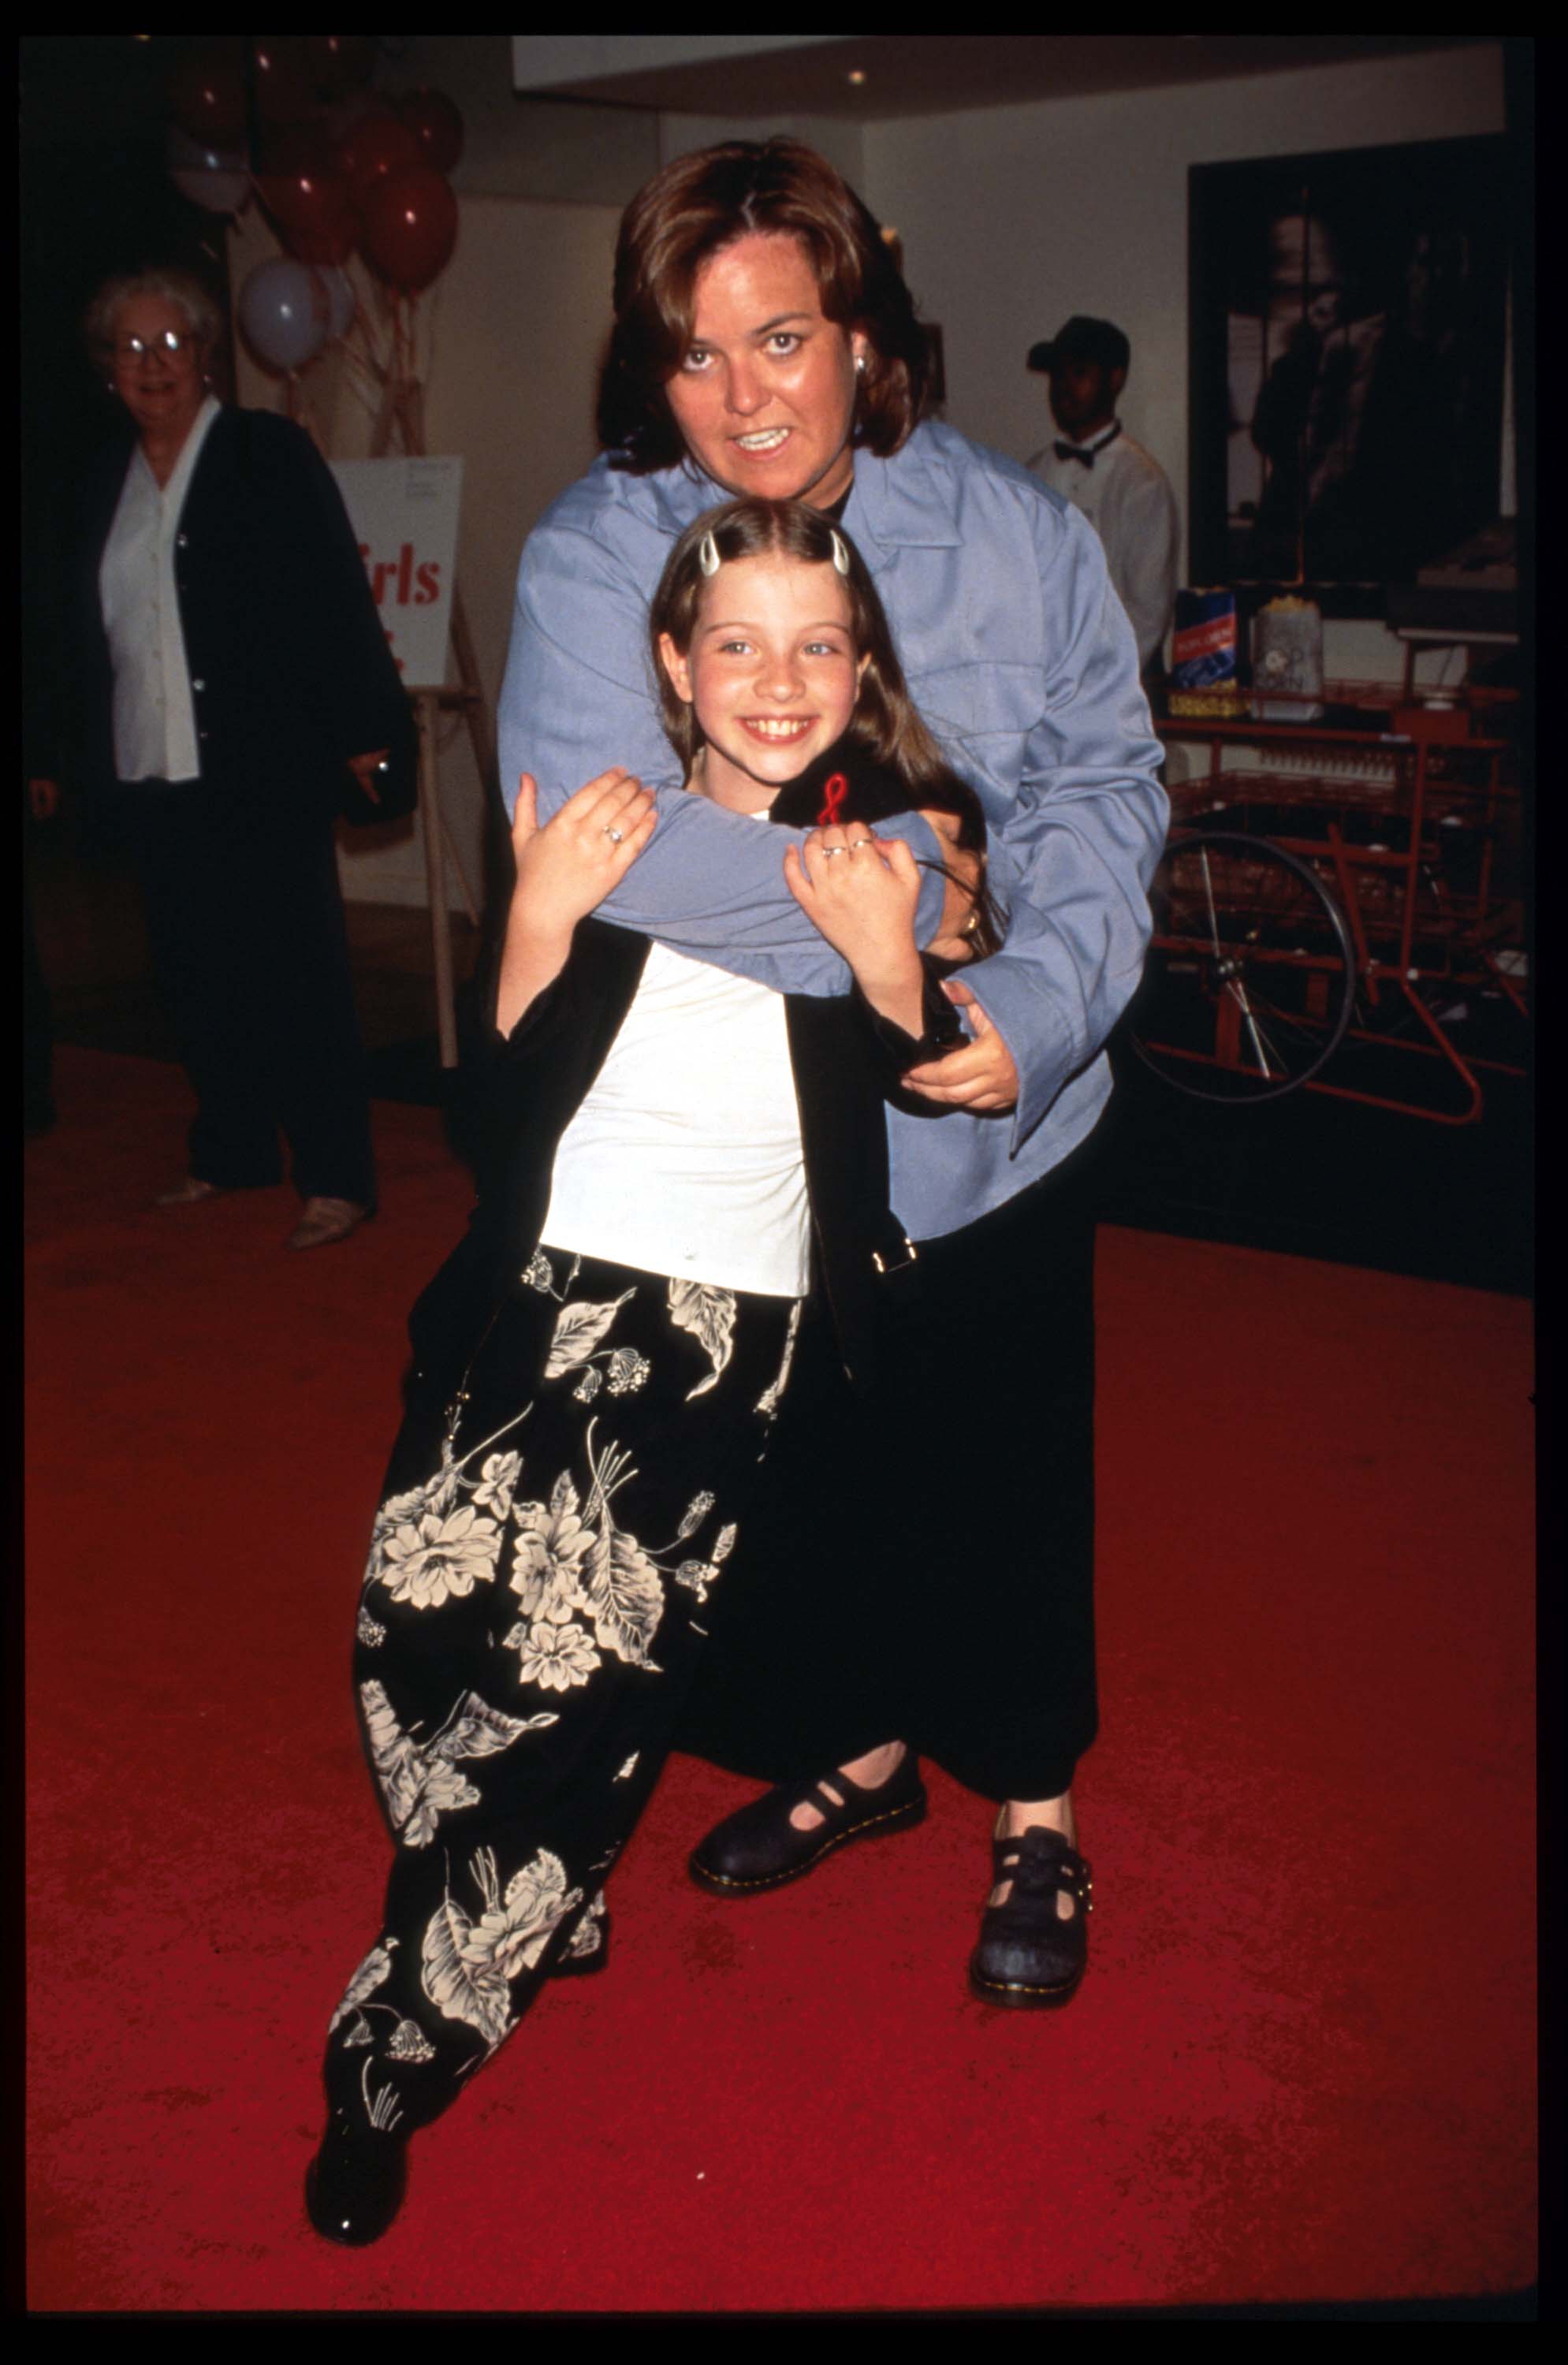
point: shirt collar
(190, 452)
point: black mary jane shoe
(758, 1847)
(355, 2186)
(1028, 1956)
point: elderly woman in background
(225, 686)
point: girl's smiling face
(772, 675)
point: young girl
(678, 1156)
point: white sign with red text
(404, 514)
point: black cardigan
(846, 1061)
(290, 670)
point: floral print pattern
(419, 1782)
(537, 1580)
(468, 1962)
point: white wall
(567, 150)
(1013, 219)
(514, 333)
(841, 141)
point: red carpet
(1301, 2066)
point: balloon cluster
(336, 169)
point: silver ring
(612, 834)
(828, 851)
(857, 843)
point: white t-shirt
(686, 1158)
(1127, 500)
(154, 714)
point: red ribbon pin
(834, 790)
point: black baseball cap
(1083, 340)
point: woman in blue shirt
(765, 344)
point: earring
(859, 365)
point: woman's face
(157, 366)
(772, 675)
(765, 394)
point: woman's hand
(964, 868)
(862, 892)
(981, 1077)
(365, 770)
(563, 871)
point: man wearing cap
(1095, 464)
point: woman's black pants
(919, 1564)
(245, 919)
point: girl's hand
(862, 892)
(565, 869)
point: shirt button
(181, 541)
(199, 684)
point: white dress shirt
(1127, 500)
(154, 716)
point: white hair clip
(707, 555)
(840, 552)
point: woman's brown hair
(701, 203)
(885, 723)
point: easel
(400, 414)
(402, 410)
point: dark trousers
(37, 1024)
(918, 1564)
(547, 1562)
(246, 924)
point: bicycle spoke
(1237, 992)
(1251, 971)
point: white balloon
(219, 180)
(340, 296)
(285, 312)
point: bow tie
(1085, 456)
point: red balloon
(436, 125)
(411, 227)
(285, 90)
(339, 62)
(314, 215)
(206, 98)
(374, 147)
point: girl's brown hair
(885, 723)
(701, 203)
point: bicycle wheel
(1251, 976)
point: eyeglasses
(172, 342)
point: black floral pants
(548, 1557)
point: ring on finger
(857, 843)
(612, 834)
(828, 851)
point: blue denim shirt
(1022, 663)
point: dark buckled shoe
(355, 2186)
(1028, 1956)
(758, 1847)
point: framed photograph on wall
(1347, 364)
